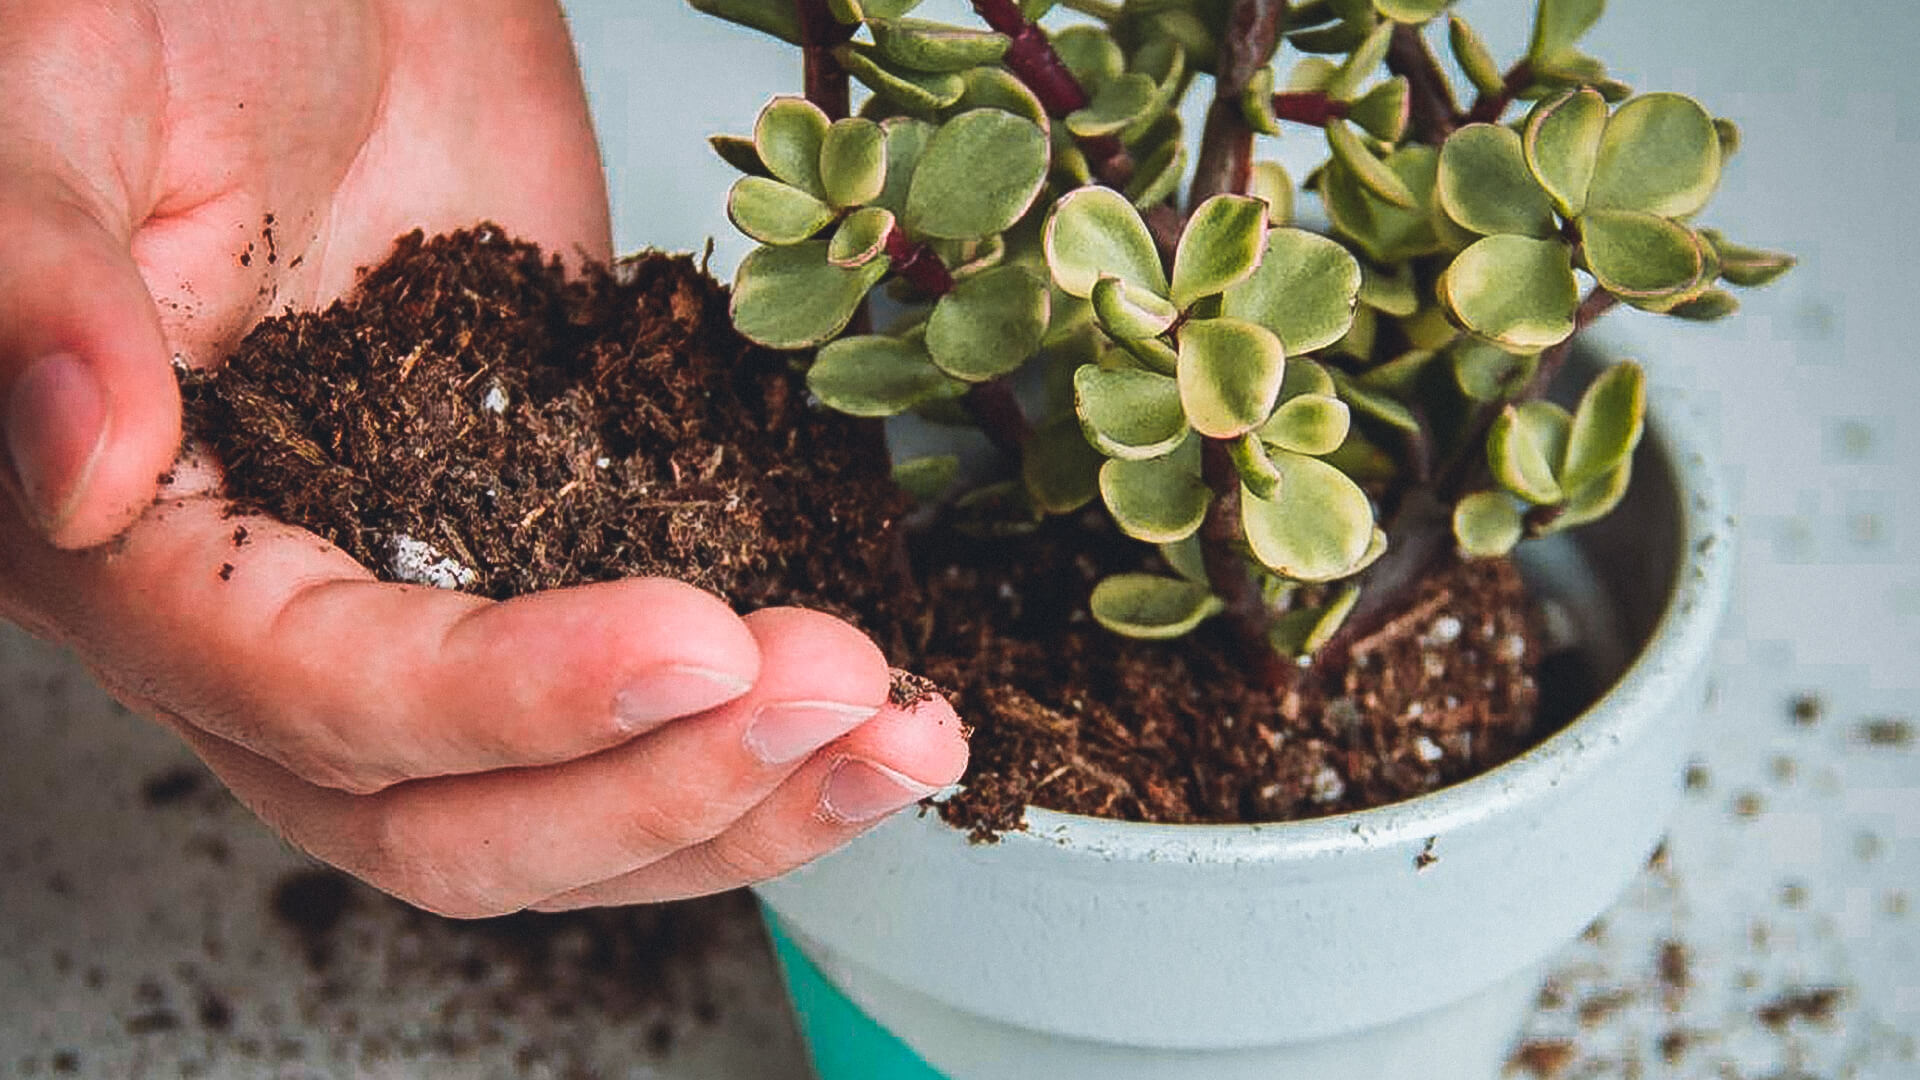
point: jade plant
(1307, 421)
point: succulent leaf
(1312, 424)
(875, 375)
(777, 18)
(775, 213)
(1120, 103)
(916, 91)
(978, 175)
(1485, 184)
(1487, 373)
(1220, 248)
(1559, 26)
(935, 47)
(907, 140)
(1513, 290)
(989, 324)
(1562, 144)
(1306, 377)
(1384, 111)
(1710, 306)
(1090, 54)
(853, 162)
(1370, 171)
(1361, 64)
(788, 136)
(1256, 469)
(1128, 312)
(1595, 499)
(1318, 529)
(1158, 176)
(996, 88)
(1303, 631)
(1095, 232)
(926, 479)
(1377, 404)
(1271, 185)
(1525, 448)
(1747, 267)
(1640, 257)
(1230, 373)
(1474, 58)
(1660, 155)
(1384, 232)
(1158, 500)
(740, 153)
(1487, 524)
(1304, 290)
(793, 298)
(861, 237)
(1607, 426)
(1186, 558)
(1412, 12)
(1129, 413)
(1152, 608)
(1391, 290)
(1061, 471)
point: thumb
(89, 408)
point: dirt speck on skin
(1542, 1059)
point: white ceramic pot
(1325, 949)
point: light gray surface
(1810, 887)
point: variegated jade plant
(1306, 421)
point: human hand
(616, 743)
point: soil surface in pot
(474, 417)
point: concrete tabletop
(150, 928)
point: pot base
(1469, 1040)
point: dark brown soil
(541, 432)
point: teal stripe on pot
(845, 1042)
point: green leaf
(1128, 312)
(1400, 376)
(1474, 58)
(1487, 524)
(1306, 377)
(1413, 12)
(1517, 292)
(1117, 106)
(1318, 528)
(861, 238)
(853, 162)
(1305, 290)
(793, 298)
(1129, 413)
(1485, 184)
(935, 47)
(1157, 176)
(1729, 133)
(1606, 427)
(1361, 64)
(774, 213)
(1660, 155)
(1639, 256)
(1256, 103)
(1391, 291)
(995, 88)
(1152, 608)
(777, 18)
(1386, 233)
(888, 9)
(1158, 500)
(1061, 471)
(1090, 54)
(788, 136)
(1303, 631)
(1596, 499)
(918, 91)
(1559, 26)
(1152, 354)
(1271, 185)
(989, 324)
(978, 176)
(875, 375)
(739, 153)
(1384, 111)
(1220, 248)
(1256, 469)
(1372, 173)
(1488, 373)
(996, 511)
(1186, 558)
(1525, 448)
(926, 479)
(1710, 306)
(1745, 266)
(1095, 232)
(1312, 424)
(1562, 145)
(1230, 373)
(907, 141)
(1377, 404)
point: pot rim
(1702, 582)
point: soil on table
(474, 417)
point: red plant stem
(826, 78)
(1313, 107)
(993, 403)
(1226, 146)
(1489, 108)
(1434, 113)
(1032, 60)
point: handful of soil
(472, 417)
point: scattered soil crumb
(1808, 709)
(1675, 1044)
(1601, 1006)
(1895, 732)
(1542, 1059)
(311, 903)
(1748, 804)
(1813, 1004)
(1676, 970)
(1698, 779)
(174, 785)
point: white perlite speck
(1428, 750)
(1446, 630)
(1327, 785)
(496, 399)
(417, 562)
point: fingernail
(672, 692)
(790, 730)
(859, 791)
(55, 423)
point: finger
(89, 408)
(891, 762)
(489, 844)
(268, 637)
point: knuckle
(743, 862)
(404, 859)
(660, 827)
